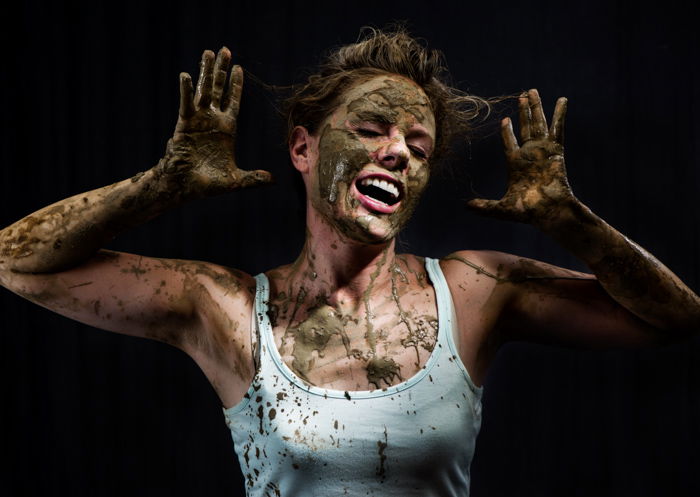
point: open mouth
(380, 189)
(378, 192)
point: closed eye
(418, 152)
(367, 132)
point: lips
(378, 192)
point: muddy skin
(631, 275)
(419, 334)
(279, 305)
(320, 334)
(219, 345)
(313, 334)
(370, 334)
(424, 335)
(537, 184)
(109, 302)
(382, 370)
(421, 277)
(346, 147)
(341, 158)
(199, 162)
(527, 270)
(200, 157)
(387, 101)
(538, 193)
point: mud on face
(385, 115)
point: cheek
(418, 179)
(339, 161)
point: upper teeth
(380, 183)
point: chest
(377, 343)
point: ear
(301, 149)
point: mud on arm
(199, 162)
(538, 193)
(52, 257)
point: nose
(394, 155)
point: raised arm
(53, 256)
(199, 161)
(632, 292)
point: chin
(359, 225)
(367, 230)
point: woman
(355, 369)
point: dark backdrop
(90, 97)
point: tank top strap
(258, 342)
(446, 312)
(263, 328)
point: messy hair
(378, 52)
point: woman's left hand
(537, 186)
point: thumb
(492, 208)
(254, 178)
(484, 206)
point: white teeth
(384, 185)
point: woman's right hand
(200, 159)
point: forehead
(388, 97)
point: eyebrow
(384, 118)
(374, 116)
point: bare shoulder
(221, 297)
(202, 308)
(218, 280)
(483, 268)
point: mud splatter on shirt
(395, 441)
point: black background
(90, 97)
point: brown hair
(379, 52)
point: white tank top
(412, 439)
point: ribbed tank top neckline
(444, 343)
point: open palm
(537, 183)
(200, 157)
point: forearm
(199, 162)
(630, 275)
(68, 232)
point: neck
(343, 271)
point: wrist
(565, 215)
(139, 199)
(578, 230)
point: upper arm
(573, 312)
(534, 301)
(551, 304)
(178, 302)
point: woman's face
(371, 158)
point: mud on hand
(538, 189)
(200, 157)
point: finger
(186, 102)
(202, 97)
(223, 58)
(510, 143)
(557, 129)
(254, 178)
(525, 117)
(539, 122)
(235, 87)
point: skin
(349, 313)
(383, 125)
(53, 256)
(353, 138)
